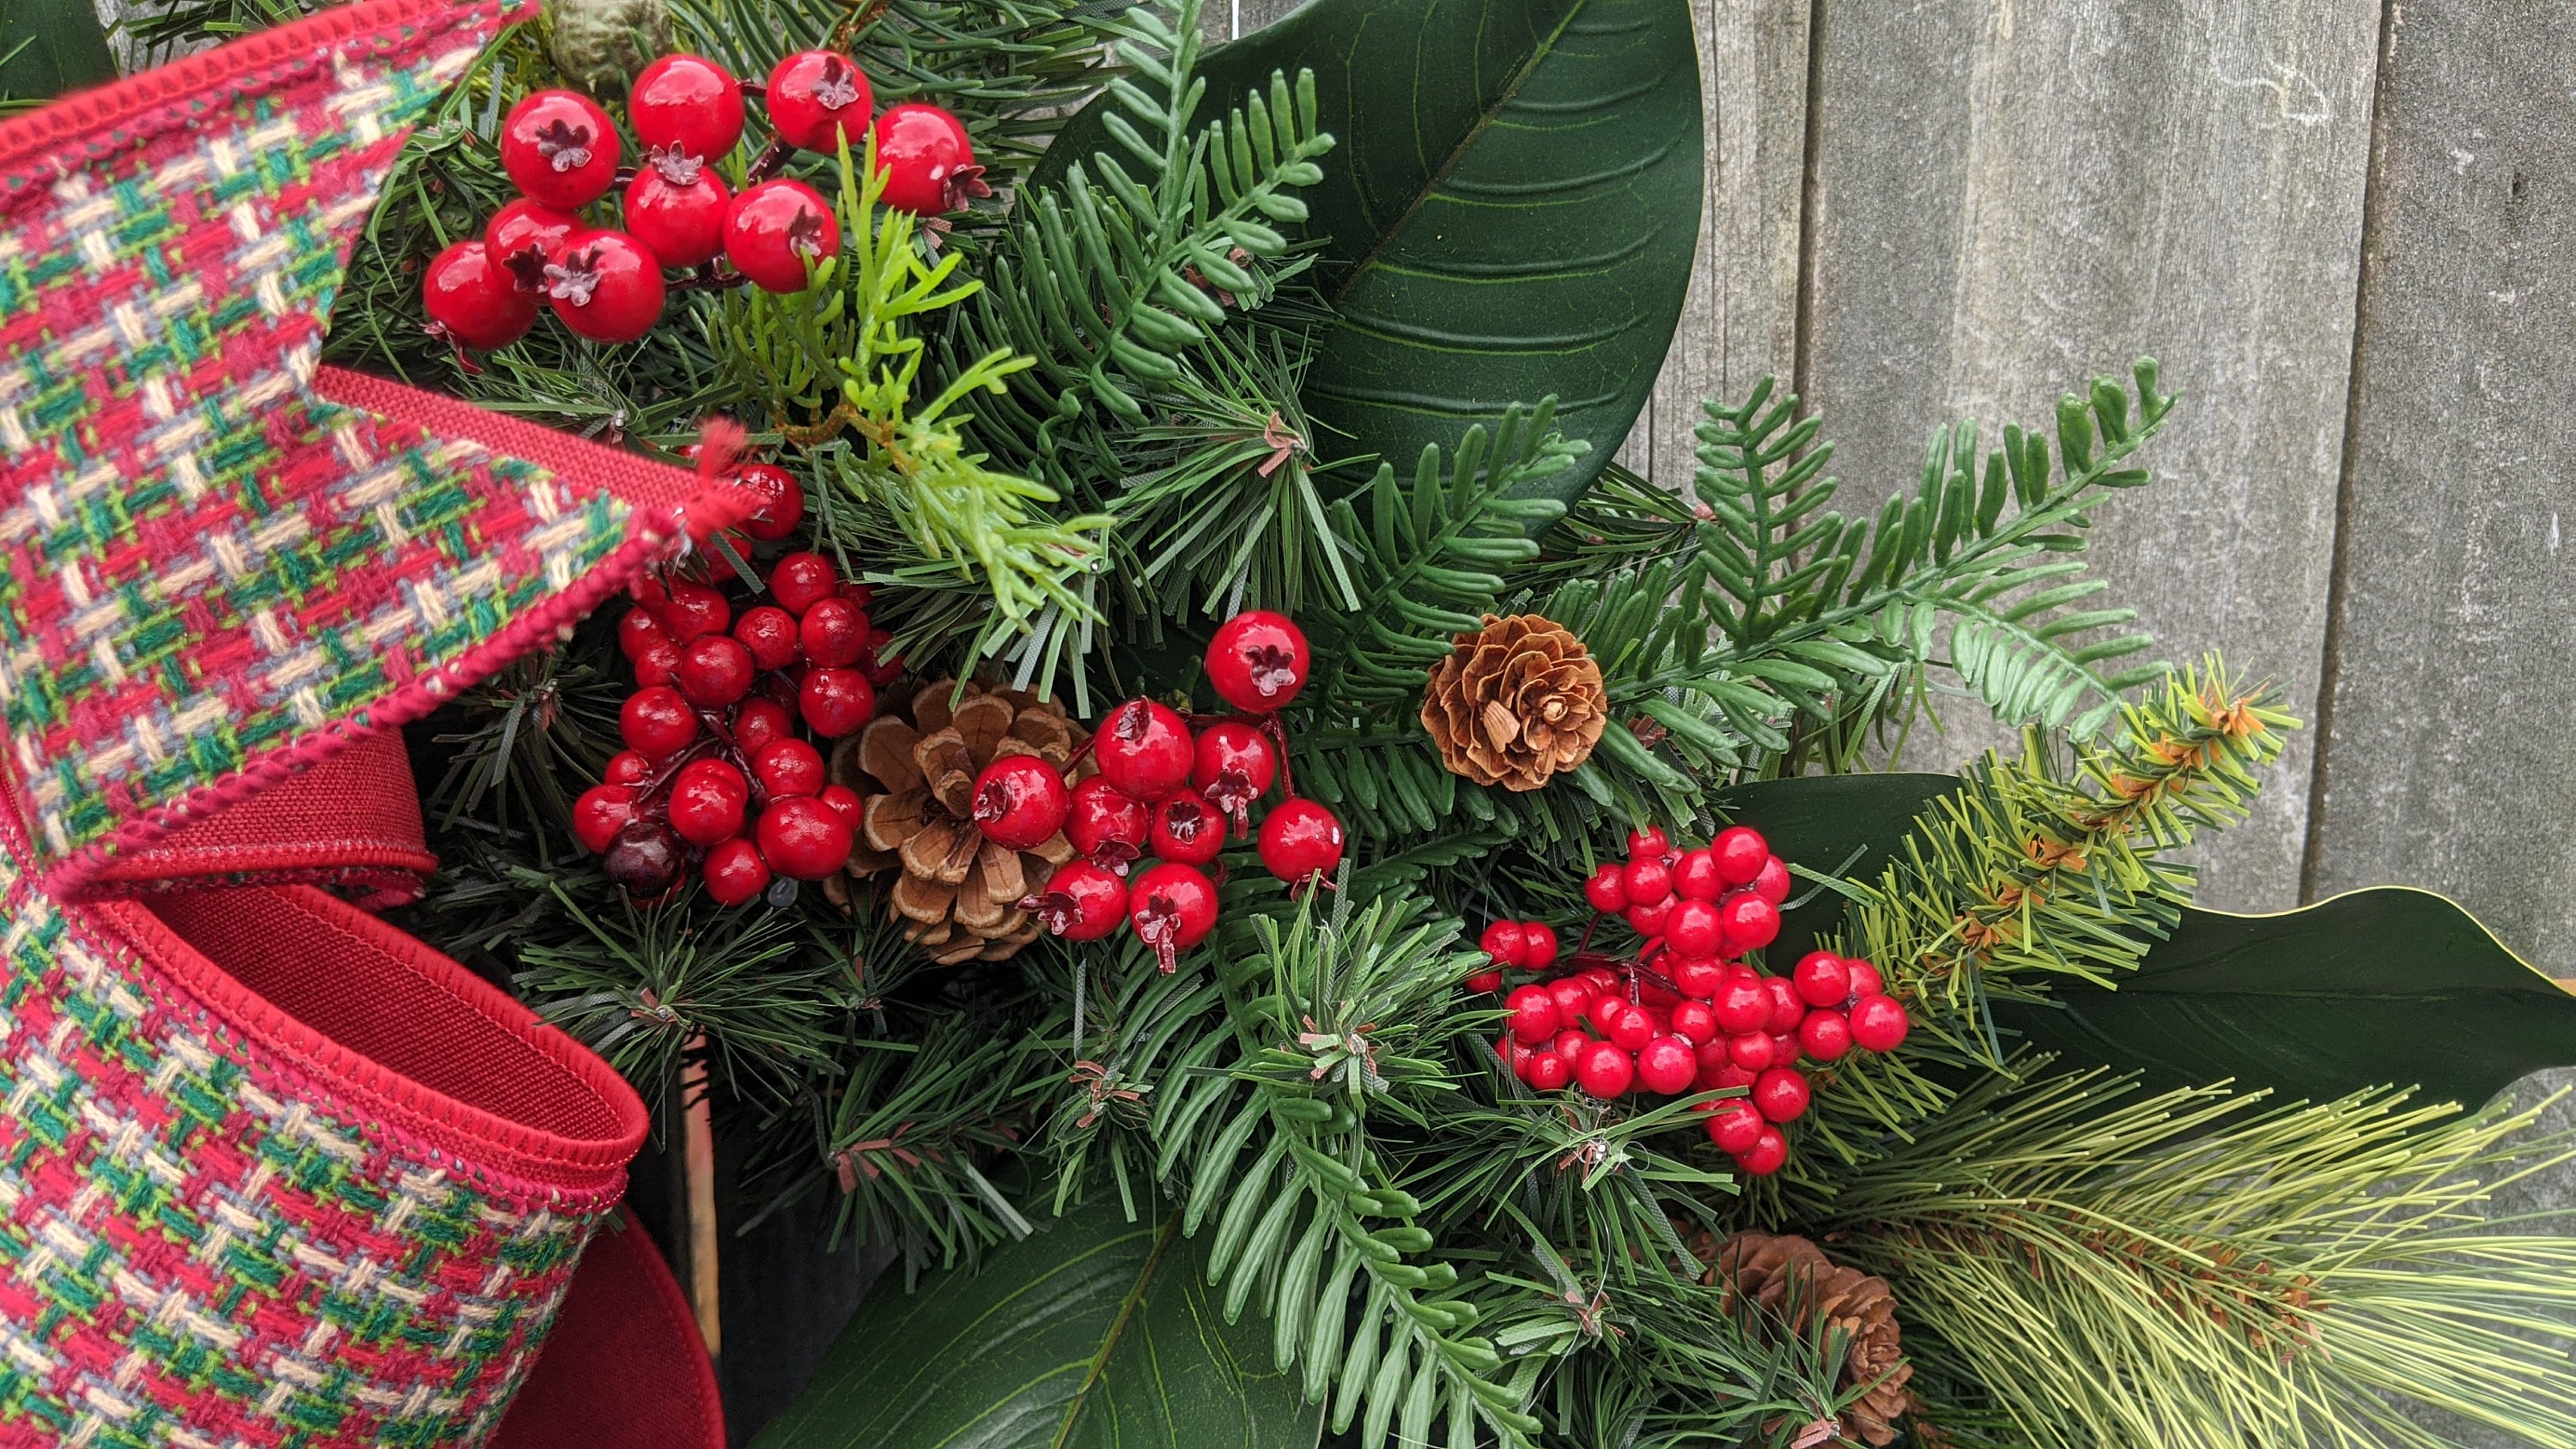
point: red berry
(1697, 976)
(1749, 922)
(845, 802)
(1741, 1004)
(1514, 1054)
(1081, 902)
(690, 611)
(835, 702)
(1607, 890)
(601, 812)
(734, 872)
(1484, 981)
(1824, 1035)
(1144, 749)
(1821, 979)
(782, 501)
(606, 287)
(474, 299)
(1570, 1042)
(760, 721)
(676, 208)
(1666, 1066)
(1257, 661)
(1692, 927)
(769, 632)
(1648, 843)
(1548, 1072)
(1785, 1048)
(1723, 1079)
(715, 670)
(775, 231)
(657, 723)
(1172, 908)
(1773, 883)
(686, 103)
(1788, 1008)
(799, 581)
(708, 798)
(833, 633)
(1751, 1050)
(637, 631)
(815, 97)
(1187, 829)
(1695, 876)
(1864, 978)
(1533, 1014)
(1739, 852)
(1629, 1027)
(1605, 1009)
(1504, 942)
(525, 235)
(1109, 828)
(1573, 997)
(882, 665)
(1605, 1071)
(1878, 1023)
(1649, 880)
(1694, 1020)
(627, 767)
(1649, 920)
(1780, 1094)
(658, 664)
(1542, 944)
(644, 861)
(1233, 767)
(1020, 800)
(1769, 1152)
(1735, 1125)
(788, 767)
(559, 149)
(803, 838)
(927, 160)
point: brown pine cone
(914, 768)
(1516, 702)
(1768, 1272)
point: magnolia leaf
(1090, 1333)
(1836, 825)
(49, 47)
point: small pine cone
(600, 45)
(914, 769)
(1516, 702)
(1793, 1283)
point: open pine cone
(914, 769)
(1515, 703)
(1770, 1272)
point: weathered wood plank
(2010, 198)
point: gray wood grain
(2008, 199)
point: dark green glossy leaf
(1094, 1332)
(48, 47)
(1847, 825)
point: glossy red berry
(799, 581)
(1301, 840)
(1780, 1094)
(1824, 1035)
(690, 610)
(833, 633)
(1570, 1042)
(835, 702)
(769, 632)
(1878, 1023)
(787, 768)
(1649, 880)
(1107, 826)
(803, 838)
(525, 235)
(1542, 945)
(1785, 1048)
(715, 670)
(1649, 920)
(1695, 876)
(1533, 1014)
(845, 802)
(734, 872)
(782, 501)
(601, 812)
(473, 299)
(1821, 979)
(1547, 1071)
(1865, 979)
(927, 160)
(1788, 1008)
(1665, 1065)
(1233, 768)
(1768, 1154)
(1750, 922)
(1751, 1050)
(1514, 1053)
(883, 665)
(605, 286)
(815, 97)
(658, 664)
(1696, 976)
(688, 104)
(1607, 890)
(760, 721)
(626, 767)
(1693, 1021)
(1144, 749)
(1186, 829)
(1573, 998)
(1605, 1071)
(559, 148)
(1484, 982)
(1257, 661)
(1740, 851)
(1504, 942)
(1630, 1027)
(1692, 927)
(1742, 1004)
(676, 208)
(657, 723)
(775, 231)
(1773, 883)
(1021, 801)
(1734, 1125)
(1172, 907)
(708, 798)
(637, 631)
(1081, 902)
(1648, 843)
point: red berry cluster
(561, 150)
(716, 772)
(1685, 1015)
(1173, 785)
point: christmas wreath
(1300, 898)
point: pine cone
(1770, 1271)
(915, 770)
(1515, 703)
(600, 45)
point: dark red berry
(734, 872)
(1821, 979)
(601, 812)
(1665, 1065)
(473, 299)
(1739, 851)
(782, 501)
(759, 721)
(645, 860)
(1605, 1071)
(690, 609)
(815, 97)
(1144, 749)
(715, 670)
(1300, 840)
(1773, 883)
(559, 149)
(1695, 876)
(606, 287)
(687, 103)
(883, 665)
(1542, 945)
(525, 235)
(657, 722)
(774, 232)
(833, 633)
(1735, 1125)
(708, 798)
(1878, 1023)
(676, 208)
(1172, 908)
(1504, 942)
(1780, 1094)
(1769, 1152)
(802, 838)
(1607, 890)
(1749, 922)
(835, 702)
(1257, 661)
(799, 581)
(1824, 1035)
(769, 632)
(1081, 902)
(787, 768)
(1233, 769)
(1020, 800)
(627, 767)
(1187, 829)
(1533, 1014)
(927, 160)
(845, 802)
(658, 664)
(637, 631)
(1105, 826)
